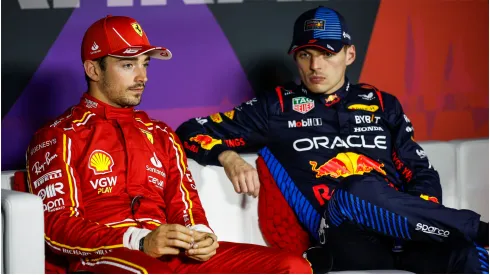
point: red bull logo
(331, 100)
(429, 198)
(206, 142)
(346, 164)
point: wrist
(225, 156)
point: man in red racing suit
(117, 193)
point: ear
(350, 55)
(92, 69)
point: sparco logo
(306, 144)
(305, 123)
(432, 230)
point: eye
(127, 66)
(303, 55)
(146, 65)
(328, 54)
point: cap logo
(131, 51)
(137, 28)
(346, 35)
(314, 24)
(95, 47)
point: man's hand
(167, 239)
(204, 248)
(241, 174)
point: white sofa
(463, 166)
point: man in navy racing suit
(345, 161)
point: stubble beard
(123, 98)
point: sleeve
(181, 197)
(243, 129)
(52, 176)
(411, 161)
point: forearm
(227, 156)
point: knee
(293, 264)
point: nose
(315, 63)
(141, 75)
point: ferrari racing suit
(107, 176)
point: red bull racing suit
(107, 176)
(345, 158)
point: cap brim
(155, 52)
(333, 46)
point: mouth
(316, 79)
(137, 90)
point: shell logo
(100, 162)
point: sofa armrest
(23, 232)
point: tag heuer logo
(303, 104)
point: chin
(318, 88)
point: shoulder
(370, 93)
(72, 118)
(152, 124)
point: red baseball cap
(119, 36)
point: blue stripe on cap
(333, 28)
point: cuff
(211, 156)
(132, 237)
(202, 228)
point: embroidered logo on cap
(314, 24)
(137, 28)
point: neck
(336, 87)
(97, 93)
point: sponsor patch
(303, 104)
(314, 24)
(369, 96)
(216, 118)
(230, 114)
(432, 230)
(41, 145)
(206, 142)
(235, 142)
(309, 122)
(100, 162)
(369, 108)
(51, 191)
(47, 177)
(155, 161)
(38, 167)
(148, 135)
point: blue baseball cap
(321, 27)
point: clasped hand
(171, 239)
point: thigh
(122, 261)
(353, 248)
(244, 258)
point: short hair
(103, 65)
